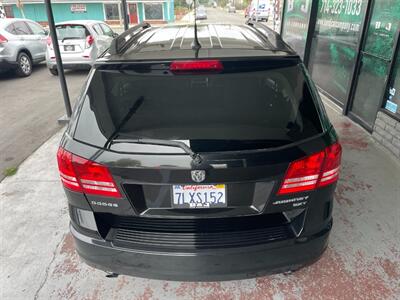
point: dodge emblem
(198, 175)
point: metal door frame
(348, 105)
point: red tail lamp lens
(330, 169)
(3, 39)
(89, 41)
(316, 170)
(82, 175)
(189, 66)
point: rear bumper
(7, 65)
(72, 66)
(203, 265)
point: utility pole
(258, 5)
(60, 67)
(20, 5)
(125, 14)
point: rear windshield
(71, 31)
(215, 112)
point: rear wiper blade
(195, 156)
(135, 106)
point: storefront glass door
(376, 58)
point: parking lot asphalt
(29, 110)
(362, 261)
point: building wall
(387, 133)
(95, 11)
(61, 11)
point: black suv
(205, 160)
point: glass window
(295, 24)
(107, 30)
(112, 12)
(20, 28)
(11, 29)
(36, 28)
(71, 31)
(153, 11)
(392, 102)
(97, 29)
(9, 11)
(259, 109)
(334, 47)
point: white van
(260, 10)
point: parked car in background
(231, 8)
(22, 44)
(260, 13)
(80, 42)
(214, 4)
(201, 13)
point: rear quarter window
(215, 112)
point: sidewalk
(362, 261)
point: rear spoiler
(120, 43)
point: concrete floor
(362, 261)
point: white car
(260, 13)
(80, 43)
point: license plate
(69, 48)
(199, 196)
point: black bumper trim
(205, 265)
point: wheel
(24, 63)
(53, 72)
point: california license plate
(199, 196)
(69, 48)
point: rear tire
(53, 72)
(24, 65)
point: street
(30, 108)
(219, 15)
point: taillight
(330, 168)
(89, 41)
(82, 175)
(49, 42)
(3, 39)
(190, 66)
(316, 170)
(67, 172)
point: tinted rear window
(71, 31)
(218, 112)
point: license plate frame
(199, 196)
(69, 48)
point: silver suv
(22, 44)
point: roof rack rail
(270, 34)
(260, 26)
(120, 42)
